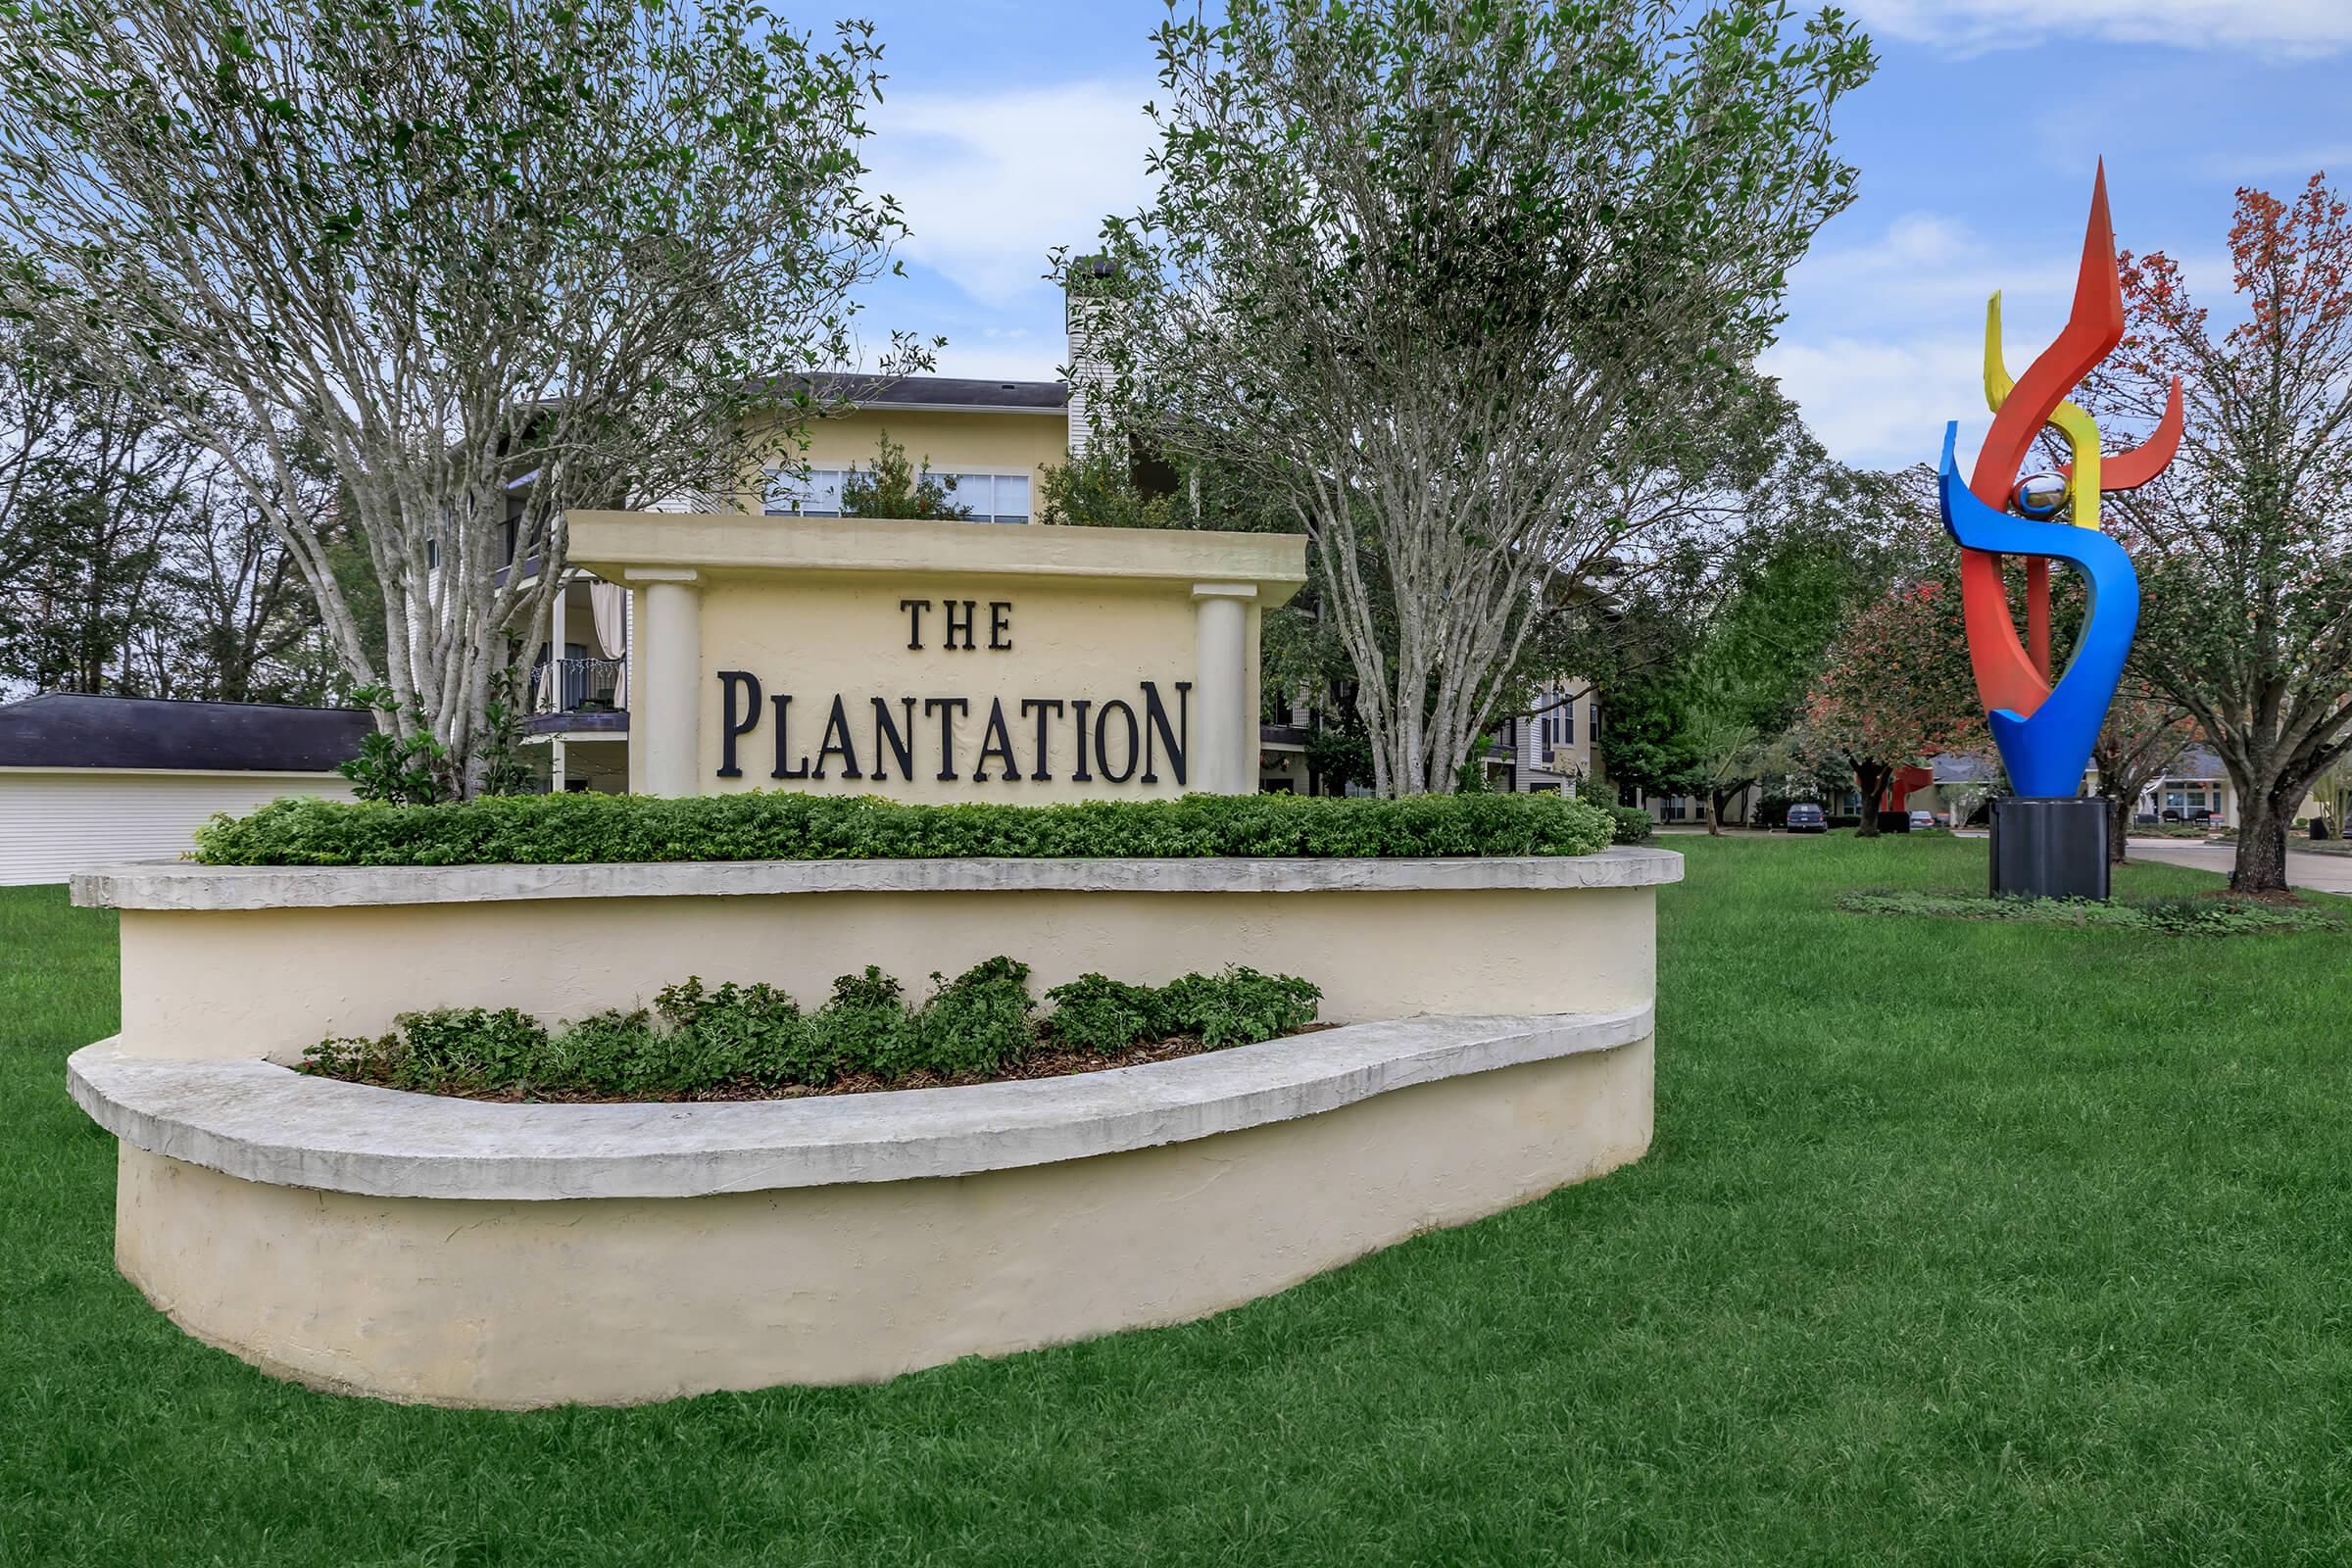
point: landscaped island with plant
(754, 1043)
(588, 828)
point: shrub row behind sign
(762, 825)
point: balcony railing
(575, 685)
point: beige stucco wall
(518, 1303)
(270, 982)
(951, 440)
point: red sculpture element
(2006, 676)
(2129, 471)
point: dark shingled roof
(935, 392)
(66, 729)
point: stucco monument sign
(942, 661)
(510, 1253)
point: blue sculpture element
(2048, 750)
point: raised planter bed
(1497, 1045)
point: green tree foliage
(1438, 276)
(2245, 547)
(895, 487)
(490, 261)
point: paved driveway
(2322, 874)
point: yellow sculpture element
(2082, 433)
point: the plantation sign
(1105, 739)
(939, 660)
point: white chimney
(1085, 300)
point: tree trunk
(2119, 828)
(1873, 778)
(2261, 865)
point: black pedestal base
(2049, 849)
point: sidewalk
(2319, 873)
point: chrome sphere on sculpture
(2040, 496)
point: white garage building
(87, 781)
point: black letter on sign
(996, 741)
(736, 721)
(1078, 708)
(838, 724)
(971, 613)
(1000, 621)
(1043, 705)
(783, 737)
(1103, 752)
(887, 731)
(914, 609)
(1156, 718)
(947, 708)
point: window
(1568, 723)
(818, 495)
(1593, 719)
(989, 497)
(993, 497)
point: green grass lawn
(1959, 1243)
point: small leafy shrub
(864, 1027)
(412, 770)
(1629, 824)
(755, 1032)
(983, 1021)
(696, 1041)
(1096, 1013)
(1238, 1006)
(2175, 916)
(587, 827)
(468, 1044)
(604, 1053)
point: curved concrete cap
(174, 885)
(265, 1123)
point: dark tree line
(130, 562)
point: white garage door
(57, 821)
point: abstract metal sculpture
(2046, 729)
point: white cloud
(1883, 402)
(1885, 341)
(988, 183)
(1926, 259)
(2297, 28)
(1010, 354)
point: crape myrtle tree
(1439, 274)
(2245, 547)
(1895, 689)
(491, 261)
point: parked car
(1807, 818)
(1921, 821)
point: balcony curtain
(608, 605)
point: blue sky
(1012, 125)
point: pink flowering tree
(1895, 689)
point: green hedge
(756, 1039)
(1630, 824)
(574, 829)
